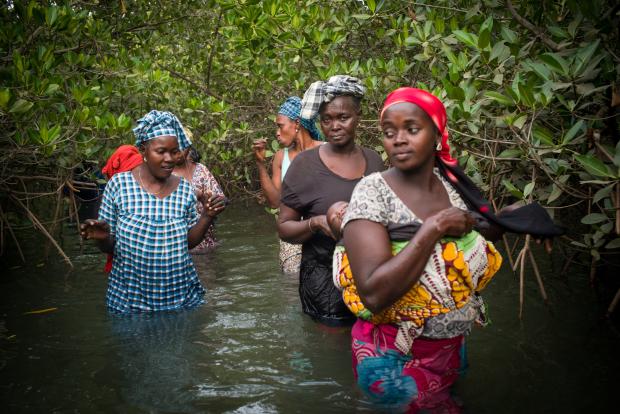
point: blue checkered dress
(152, 269)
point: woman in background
(318, 178)
(190, 168)
(295, 135)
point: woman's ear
(142, 149)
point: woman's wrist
(433, 228)
(312, 231)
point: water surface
(249, 349)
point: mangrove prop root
(541, 285)
(508, 252)
(40, 226)
(613, 304)
(522, 255)
(5, 219)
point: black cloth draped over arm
(530, 219)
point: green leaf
(520, 121)
(507, 34)
(50, 15)
(594, 218)
(20, 106)
(500, 52)
(614, 244)
(5, 97)
(469, 39)
(584, 57)
(602, 193)
(51, 88)
(513, 190)
(362, 16)
(484, 35)
(556, 63)
(371, 5)
(572, 132)
(594, 166)
(555, 193)
(510, 153)
(543, 135)
(496, 96)
(529, 187)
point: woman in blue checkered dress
(148, 219)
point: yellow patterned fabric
(456, 269)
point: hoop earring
(438, 147)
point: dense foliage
(532, 88)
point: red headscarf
(125, 158)
(433, 108)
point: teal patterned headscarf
(157, 124)
(291, 108)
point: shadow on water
(250, 350)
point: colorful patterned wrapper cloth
(456, 270)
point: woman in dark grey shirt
(316, 179)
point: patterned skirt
(290, 257)
(409, 383)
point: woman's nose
(400, 137)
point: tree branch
(536, 30)
(178, 75)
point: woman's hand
(94, 230)
(452, 222)
(212, 204)
(320, 223)
(259, 147)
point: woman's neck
(347, 150)
(422, 177)
(185, 169)
(304, 141)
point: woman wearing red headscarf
(417, 258)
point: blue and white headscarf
(157, 124)
(292, 108)
(320, 92)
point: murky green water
(249, 349)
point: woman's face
(184, 157)
(161, 155)
(409, 136)
(339, 119)
(287, 130)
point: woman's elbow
(373, 302)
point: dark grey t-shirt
(311, 188)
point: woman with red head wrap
(417, 258)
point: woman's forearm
(296, 231)
(380, 277)
(106, 245)
(196, 234)
(272, 194)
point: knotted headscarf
(431, 105)
(530, 219)
(320, 92)
(292, 109)
(124, 158)
(157, 124)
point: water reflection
(155, 360)
(250, 349)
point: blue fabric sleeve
(108, 210)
